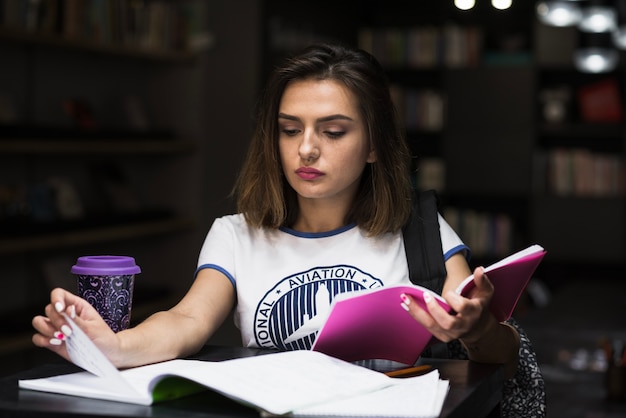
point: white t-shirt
(285, 280)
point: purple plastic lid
(110, 265)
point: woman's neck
(315, 216)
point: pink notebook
(373, 325)
(509, 276)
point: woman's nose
(309, 147)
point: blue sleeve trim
(457, 249)
(218, 268)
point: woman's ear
(371, 157)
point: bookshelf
(496, 160)
(160, 29)
(90, 233)
(579, 178)
(113, 146)
(57, 41)
(464, 97)
(124, 165)
(436, 69)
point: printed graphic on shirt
(290, 314)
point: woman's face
(323, 140)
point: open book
(302, 382)
(371, 324)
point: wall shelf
(94, 146)
(56, 240)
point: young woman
(322, 197)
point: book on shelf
(600, 102)
(371, 324)
(158, 25)
(488, 234)
(421, 109)
(299, 383)
(580, 172)
(426, 46)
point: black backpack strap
(422, 242)
(424, 253)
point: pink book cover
(372, 324)
(509, 276)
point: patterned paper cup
(107, 282)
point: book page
(533, 249)
(101, 379)
(86, 355)
(276, 382)
(509, 277)
(420, 396)
(281, 382)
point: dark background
(153, 191)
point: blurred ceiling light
(619, 37)
(464, 4)
(596, 53)
(619, 34)
(595, 60)
(501, 4)
(559, 13)
(598, 18)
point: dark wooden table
(475, 390)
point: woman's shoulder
(237, 224)
(229, 224)
(236, 219)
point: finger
(53, 344)
(53, 321)
(432, 316)
(43, 325)
(409, 304)
(482, 280)
(441, 316)
(455, 301)
(48, 336)
(62, 300)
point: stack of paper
(277, 383)
(420, 396)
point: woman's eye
(335, 134)
(290, 132)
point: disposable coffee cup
(107, 282)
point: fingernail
(59, 336)
(427, 297)
(59, 307)
(73, 312)
(66, 330)
(55, 341)
(405, 299)
(405, 306)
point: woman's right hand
(52, 328)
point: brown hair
(382, 203)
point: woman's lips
(308, 173)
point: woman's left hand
(471, 318)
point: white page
(281, 382)
(86, 355)
(277, 383)
(420, 396)
(85, 384)
(100, 380)
(516, 256)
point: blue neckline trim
(317, 234)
